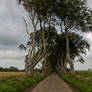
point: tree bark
(68, 59)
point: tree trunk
(62, 66)
(68, 59)
(28, 70)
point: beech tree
(74, 16)
(69, 16)
(78, 46)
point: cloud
(88, 58)
(89, 3)
(12, 28)
(12, 58)
(12, 33)
(12, 54)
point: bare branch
(26, 26)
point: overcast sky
(12, 33)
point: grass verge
(16, 84)
(83, 85)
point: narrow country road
(52, 83)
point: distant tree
(12, 68)
(1, 69)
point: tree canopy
(60, 23)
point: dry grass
(11, 74)
(84, 75)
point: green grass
(82, 80)
(16, 84)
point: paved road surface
(53, 83)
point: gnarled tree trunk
(68, 58)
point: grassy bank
(14, 84)
(82, 80)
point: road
(52, 83)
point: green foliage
(16, 84)
(74, 14)
(83, 84)
(78, 46)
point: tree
(9, 69)
(78, 46)
(39, 13)
(74, 16)
(13, 68)
(70, 16)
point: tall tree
(74, 16)
(56, 53)
(69, 15)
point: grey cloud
(12, 54)
(12, 28)
(12, 33)
(88, 57)
(89, 3)
(7, 63)
(12, 58)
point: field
(11, 74)
(84, 75)
(82, 80)
(15, 81)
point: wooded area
(57, 38)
